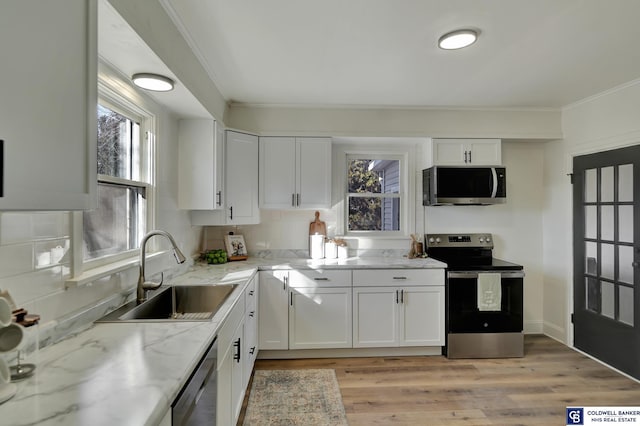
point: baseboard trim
(350, 352)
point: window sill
(94, 274)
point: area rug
(295, 397)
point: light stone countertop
(130, 373)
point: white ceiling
(531, 53)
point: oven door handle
(474, 274)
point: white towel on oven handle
(489, 291)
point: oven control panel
(459, 240)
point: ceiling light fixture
(155, 82)
(458, 39)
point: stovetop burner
(466, 252)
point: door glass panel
(607, 258)
(606, 184)
(625, 224)
(591, 222)
(608, 299)
(625, 182)
(591, 254)
(606, 222)
(592, 292)
(626, 305)
(625, 259)
(591, 185)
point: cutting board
(318, 227)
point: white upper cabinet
(466, 152)
(240, 184)
(48, 104)
(295, 173)
(201, 164)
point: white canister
(330, 250)
(343, 252)
(316, 246)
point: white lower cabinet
(334, 309)
(236, 338)
(392, 315)
(320, 318)
(273, 326)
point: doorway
(606, 247)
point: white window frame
(363, 150)
(139, 112)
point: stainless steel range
(484, 297)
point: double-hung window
(125, 186)
(376, 193)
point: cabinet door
(320, 318)
(224, 373)
(485, 152)
(422, 316)
(273, 327)
(314, 173)
(238, 386)
(198, 164)
(375, 316)
(277, 173)
(449, 152)
(48, 104)
(241, 180)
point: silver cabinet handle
(231, 212)
(293, 200)
(465, 157)
(401, 296)
(321, 279)
(236, 356)
(298, 200)
(252, 314)
(470, 157)
(399, 278)
(251, 293)
(219, 198)
(291, 298)
(397, 299)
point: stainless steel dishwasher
(196, 402)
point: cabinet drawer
(225, 335)
(319, 278)
(403, 277)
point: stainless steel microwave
(450, 185)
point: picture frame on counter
(236, 247)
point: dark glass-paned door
(606, 254)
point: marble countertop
(130, 373)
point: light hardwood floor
(534, 390)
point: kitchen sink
(174, 303)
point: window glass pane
(117, 224)
(608, 266)
(626, 305)
(116, 149)
(606, 218)
(625, 182)
(625, 260)
(606, 184)
(591, 222)
(373, 176)
(625, 224)
(374, 214)
(608, 299)
(591, 254)
(591, 185)
(593, 294)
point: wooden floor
(534, 390)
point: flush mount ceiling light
(458, 39)
(155, 82)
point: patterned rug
(295, 397)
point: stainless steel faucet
(143, 285)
